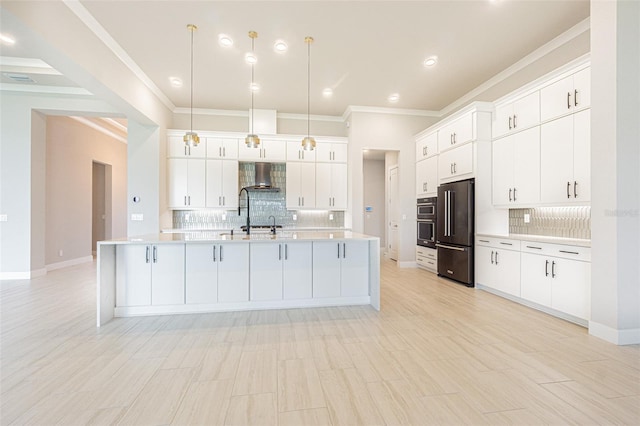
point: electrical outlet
(527, 218)
(330, 216)
(295, 216)
(404, 217)
(224, 216)
(60, 253)
(137, 217)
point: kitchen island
(197, 272)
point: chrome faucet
(273, 226)
(248, 209)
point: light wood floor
(437, 353)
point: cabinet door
(526, 166)
(178, 178)
(201, 273)
(214, 148)
(355, 268)
(485, 271)
(308, 185)
(338, 186)
(582, 88)
(167, 274)
(581, 189)
(177, 148)
(323, 186)
(507, 263)
(246, 153)
(571, 287)
(536, 279)
(427, 177)
(230, 184)
(526, 111)
(502, 120)
(324, 152)
(197, 178)
(297, 271)
(339, 152)
(556, 160)
(293, 188)
(274, 150)
(456, 163)
(133, 275)
(233, 272)
(463, 129)
(326, 269)
(503, 170)
(265, 281)
(556, 99)
(213, 198)
(295, 152)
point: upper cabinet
(456, 132)
(186, 179)
(176, 148)
(223, 148)
(270, 151)
(427, 177)
(331, 186)
(517, 115)
(295, 152)
(427, 147)
(566, 96)
(327, 152)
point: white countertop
(286, 228)
(224, 236)
(542, 239)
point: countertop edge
(542, 239)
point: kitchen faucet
(273, 227)
(248, 209)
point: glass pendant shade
(252, 141)
(191, 139)
(309, 143)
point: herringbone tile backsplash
(568, 222)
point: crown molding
(36, 88)
(290, 116)
(87, 18)
(394, 111)
(98, 127)
(207, 111)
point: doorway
(100, 204)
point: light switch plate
(3, 218)
(527, 218)
(295, 216)
(137, 216)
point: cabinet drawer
(557, 250)
(427, 253)
(501, 243)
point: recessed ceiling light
(280, 46)
(394, 97)
(327, 93)
(250, 58)
(254, 87)
(175, 81)
(225, 41)
(430, 61)
(7, 39)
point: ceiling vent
(19, 78)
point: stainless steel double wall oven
(426, 214)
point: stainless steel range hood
(263, 178)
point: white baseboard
(615, 336)
(407, 264)
(70, 262)
(23, 275)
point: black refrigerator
(455, 231)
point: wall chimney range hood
(263, 178)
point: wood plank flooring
(437, 353)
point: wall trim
(70, 262)
(395, 111)
(98, 127)
(23, 275)
(407, 264)
(38, 88)
(629, 336)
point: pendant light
(308, 143)
(191, 138)
(252, 140)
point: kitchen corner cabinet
(270, 151)
(565, 155)
(150, 274)
(176, 148)
(222, 184)
(295, 152)
(222, 148)
(456, 164)
(517, 115)
(331, 152)
(301, 185)
(340, 268)
(186, 179)
(456, 133)
(497, 265)
(427, 177)
(516, 168)
(427, 147)
(281, 271)
(331, 186)
(565, 96)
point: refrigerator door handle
(450, 247)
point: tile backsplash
(568, 222)
(263, 205)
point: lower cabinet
(280, 271)
(340, 269)
(498, 268)
(427, 258)
(150, 274)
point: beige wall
(71, 150)
(374, 196)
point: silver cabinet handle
(451, 138)
(546, 268)
(189, 197)
(214, 253)
(224, 151)
(221, 253)
(509, 194)
(492, 257)
(553, 269)
(455, 138)
(568, 252)
(185, 150)
(147, 255)
(338, 250)
(279, 251)
(575, 97)
(303, 201)
(344, 250)
(509, 122)
(286, 251)
(455, 167)
(155, 254)
(568, 187)
(514, 194)
(219, 200)
(534, 247)
(496, 257)
(514, 121)
(449, 247)
(219, 151)
(505, 244)
(575, 189)
(568, 100)
(484, 241)
(185, 200)
(451, 168)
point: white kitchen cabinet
(427, 177)
(516, 168)
(427, 147)
(427, 258)
(571, 288)
(233, 272)
(331, 186)
(269, 150)
(265, 263)
(176, 148)
(517, 115)
(297, 270)
(331, 152)
(456, 133)
(456, 164)
(295, 152)
(340, 268)
(201, 273)
(222, 184)
(565, 159)
(150, 274)
(565, 96)
(301, 185)
(498, 268)
(536, 279)
(222, 148)
(186, 178)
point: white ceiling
(363, 50)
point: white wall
(374, 196)
(71, 149)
